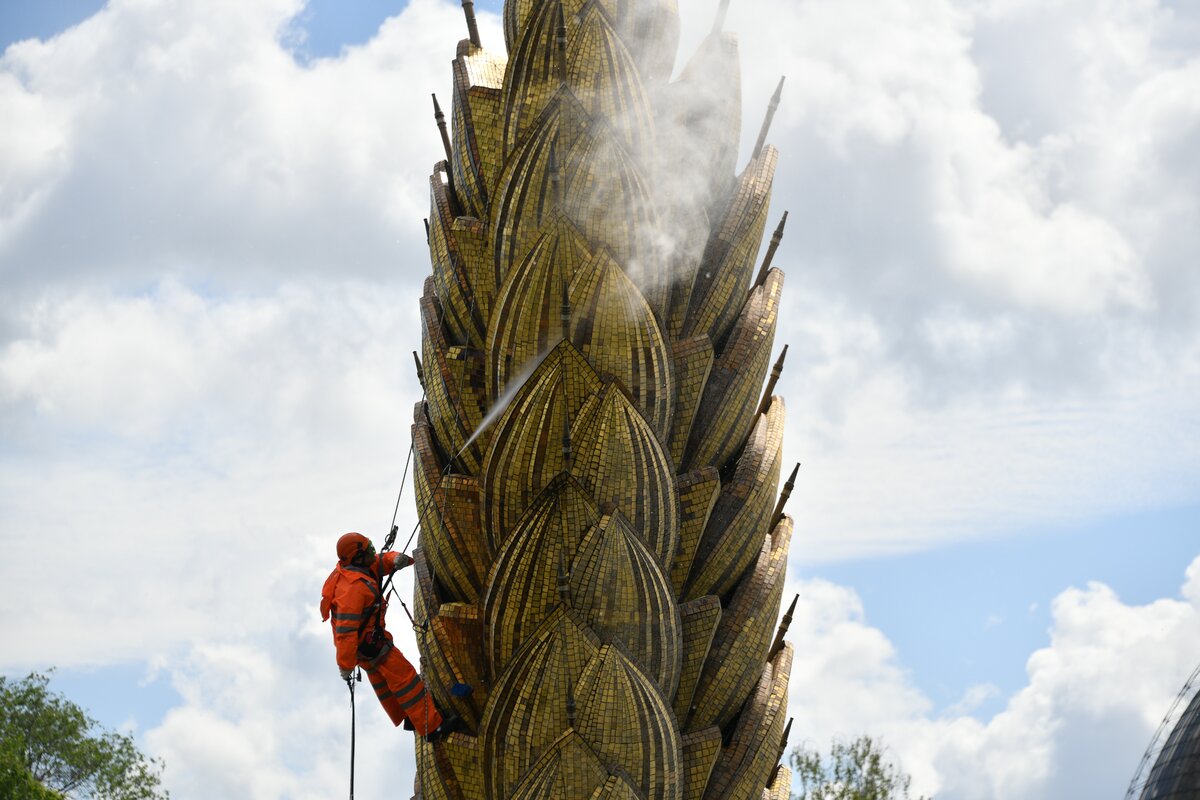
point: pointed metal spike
(472, 25)
(420, 371)
(764, 405)
(776, 239)
(787, 732)
(719, 21)
(787, 729)
(784, 624)
(772, 107)
(441, 123)
(784, 495)
(427, 230)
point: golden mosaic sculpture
(602, 553)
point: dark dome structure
(1176, 771)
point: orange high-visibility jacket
(348, 601)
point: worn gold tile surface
(595, 483)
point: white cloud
(179, 138)
(1094, 696)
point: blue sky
(213, 250)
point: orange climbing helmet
(350, 545)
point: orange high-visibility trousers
(401, 691)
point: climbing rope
(357, 676)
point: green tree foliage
(51, 749)
(859, 770)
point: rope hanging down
(357, 676)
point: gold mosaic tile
(526, 450)
(596, 64)
(478, 78)
(619, 459)
(654, 24)
(615, 329)
(528, 318)
(457, 633)
(523, 203)
(441, 782)
(452, 411)
(781, 787)
(462, 753)
(617, 787)
(700, 751)
(448, 509)
(462, 315)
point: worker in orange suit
(354, 604)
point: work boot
(451, 723)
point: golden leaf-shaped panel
(741, 517)
(735, 660)
(746, 765)
(618, 458)
(652, 26)
(530, 186)
(619, 587)
(527, 710)
(614, 327)
(527, 448)
(478, 78)
(624, 716)
(527, 319)
(524, 585)
(570, 768)
(599, 72)
(448, 510)
(719, 289)
(730, 398)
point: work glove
(402, 560)
(346, 673)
